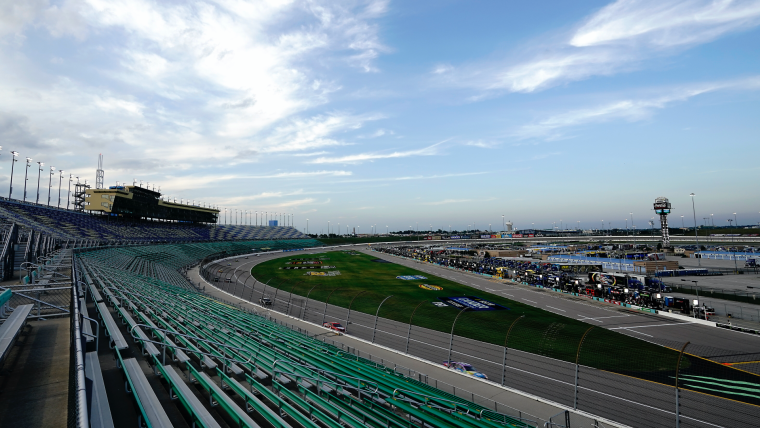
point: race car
(265, 301)
(464, 368)
(334, 326)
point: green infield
(366, 282)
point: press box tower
(662, 208)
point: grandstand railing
(8, 254)
(78, 414)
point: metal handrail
(322, 371)
(194, 351)
(97, 331)
(428, 398)
(549, 423)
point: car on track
(334, 326)
(464, 368)
(265, 301)
(228, 280)
(216, 279)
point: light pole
(736, 267)
(39, 174)
(68, 194)
(50, 182)
(696, 235)
(26, 175)
(307, 226)
(13, 162)
(60, 180)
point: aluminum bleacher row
(66, 224)
(221, 365)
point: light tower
(662, 208)
(99, 175)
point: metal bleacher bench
(116, 338)
(100, 411)
(146, 397)
(11, 328)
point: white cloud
(305, 174)
(182, 86)
(666, 23)
(482, 144)
(628, 109)
(414, 177)
(617, 38)
(448, 201)
(364, 157)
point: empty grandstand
(148, 347)
(72, 225)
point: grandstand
(72, 225)
(148, 347)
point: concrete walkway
(34, 381)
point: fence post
(678, 367)
(451, 339)
(348, 317)
(506, 339)
(409, 333)
(287, 311)
(577, 357)
(324, 314)
(306, 304)
(374, 330)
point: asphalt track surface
(628, 400)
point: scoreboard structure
(662, 208)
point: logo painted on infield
(307, 267)
(410, 277)
(473, 303)
(431, 287)
(312, 262)
(329, 273)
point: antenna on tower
(99, 174)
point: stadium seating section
(66, 224)
(185, 357)
(254, 371)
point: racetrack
(606, 394)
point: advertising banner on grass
(473, 303)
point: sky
(435, 113)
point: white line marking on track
(584, 317)
(556, 308)
(638, 332)
(655, 325)
(531, 301)
(507, 294)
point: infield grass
(539, 331)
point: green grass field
(540, 332)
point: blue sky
(395, 113)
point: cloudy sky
(421, 113)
